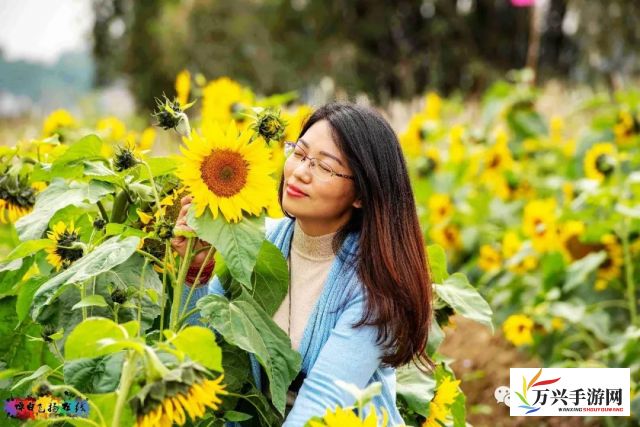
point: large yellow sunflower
(226, 173)
(600, 161)
(224, 100)
(342, 417)
(64, 250)
(192, 400)
(440, 405)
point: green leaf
(238, 243)
(458, 293)
(416, 388)
(88, 147)
(106, 404)
(26, 292)
(42, 371)
(270, 278)
(99, 171)
(106, 256)
(113, 229)
(459, 411)
(244, 324)
(579, 271)
(437, 259)
(90, 301)
(56, 196)
(236, 416)
(436, 336)
(159, 166)
(199, 343)
(94, 375)
(27, 248)
(84, 339)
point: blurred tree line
(385, 49)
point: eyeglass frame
(294, 145)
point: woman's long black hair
(391, 262)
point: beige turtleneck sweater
(310, 260)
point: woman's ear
(357, 204)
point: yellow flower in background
(64, 249)
(440, 406)
(626, 127)
(498, 157)
(511, 244)
(112, 128)
(224, 100)
(147, 139)
(17, 197)
(517, 329)
(295, 121)
(411, 139)
(611, 268)
(58, 119)
(568, 192)
(345, 417)
(432, 106)
(557, 324)
(183, 86)
(440, 208)
(556, 130)
(570, 234)
(539, 223)
(226, 173)
(600, 161)
(456, 144)
(448, 236)
(490, 259)
(432, 155)
(194, 402)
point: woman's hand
(179, 243)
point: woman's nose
(303, 170)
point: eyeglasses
(319, 169)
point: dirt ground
(482, 361)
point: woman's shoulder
(274, 225)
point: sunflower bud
(99, 223)
(164, 230)
(119, 296)
(170, 115)
(269, 125)
(16, 198)
(43, 389)
(124, 159)
(47, 331)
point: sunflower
(448, 236)
(626, 127)
(66, 247)
(429, 162)
(517, 329)
(497, 158)
(456, 144)
(16, 198)
(112, 128)
(226, 173)
(490, 259)
(411, 139)
(440, 406)
(269, 125)
(611, 268)
(432, 106)
(225, 100)
(539, 223)
(344, 417)
(57, 120)
(183, 86)
(186, 391)
(440, 208)
(600, 161)
(570, 234)
(517, 260)
(295, 121)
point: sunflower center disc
(225, 172)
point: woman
(359, 301)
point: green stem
(177, 285)
(167, 249)
(140, 295)
(628, 266)
(153, 184)
(83, 293)
(126, 379)
(57, 350)
(197, 280)
(153, 258)
(75, 391)
(116, 309)
(120, 205)
(103, 211)
(185, 316)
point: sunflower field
(532, 225)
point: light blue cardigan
(331, 349)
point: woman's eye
(298, 154)
(324, 167)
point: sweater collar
(313, 247)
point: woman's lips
(294, 191)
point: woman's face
(323, 206)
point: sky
(42, 30)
